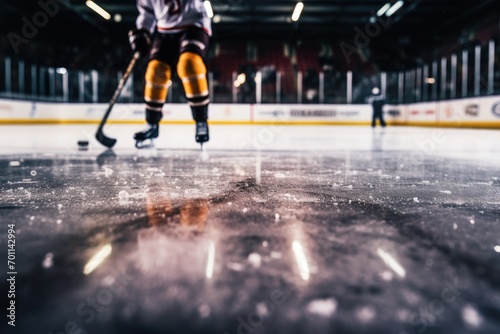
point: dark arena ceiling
(418, 24)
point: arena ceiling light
(297, 11)
(98, 9)
(208, 8)
(384, 9)
(395, 8)
(217, 19)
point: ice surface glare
(204, 311)
(262, 309)
(391, 262)
(322, 307)
(204, 156)
(310, 233)
(258, 169)
(300, 257)
(464, 143)
(255, 260)
(471, 316)
(97, 259)
(123, 194)
(209, 273)
(366, 314)
(48, 261)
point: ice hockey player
(377, 101)
(175, 35)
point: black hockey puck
(83, 143)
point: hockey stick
(100, 136)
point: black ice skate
(144, 139)
(202, 133)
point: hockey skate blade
(145, 144)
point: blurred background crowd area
(293, 63)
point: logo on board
(472, 110)
(496, 109)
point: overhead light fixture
(62, 71)
(297, 11)
(384, 9)
(118, 18)
(208, 8)
(240, 80)
(258, 77)
(98, 9)
(395, 8)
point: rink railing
(473, 72)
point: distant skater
(377, 101)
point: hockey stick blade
(100, 136)
(103, 139)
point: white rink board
(475, 112)
(31, 112)
(470, 110)
(422, 112)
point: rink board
(477, 112)
(481, 112)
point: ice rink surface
(272, 229)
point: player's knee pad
(193, 73)
(158, 77)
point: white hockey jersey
(172, 16)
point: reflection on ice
(471, 316)
(210, 260)
(48, 261)
(97, 259)
(300, 256)
(391, 262)
(322, 307)
(255, 260)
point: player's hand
(140, 41)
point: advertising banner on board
(301, 113)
